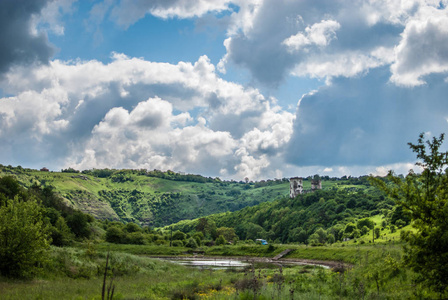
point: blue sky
(234, 89)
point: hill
(343, 210)
(152, 198)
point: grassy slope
(149, 200)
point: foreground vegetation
(77, 273)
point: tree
(377, 232)
(364, 230)
(365, 222)
(425, 199)
(24, 237)
(179, 236)
(349, 228)
(132, 227)
(114, 234)
(191, 243)
(228, 233)
(298, 235)
(319, 236)
(221, 240)
(79, 224)
(60, 233)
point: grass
(344, 252)
(150, 250)
(77, 273)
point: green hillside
(342, 211)
(150, 198)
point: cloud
(128, 12)
(20, 44)
(302, 36)
(133, 113)
(423, 49)
(365, 122)
(147, 137)
(328, 39)
(49, 18)
(319, 34)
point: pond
(229, 263)
(203, 263)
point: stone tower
(316, 184)
(295, 186)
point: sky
(223, 88)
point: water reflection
(226, 263)
(215, 264)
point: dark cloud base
(366, 121)
(18, 45)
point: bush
(177, 244)
(191, 243)
(79, 224)
(364, 230)
(400, 223)
(132, 227)
(392, 228)
(179, 235)
(349, 228)
(61, 234)
(377, 233)
(114, 235)
(221, 240)
(136, 238)
(365, 222)
(24, 237)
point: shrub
(377, 233)
(349, 228)
(179, 235)
(132, 227)
(364, 230)
(400, 223)
(177, 244)
(191, 243)
(23, 238)
(221, 240)
(365, 222)
(60, 233)
(136, 238)
(114, 235)
(79, 224)
(392, 228)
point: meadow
(369, 272)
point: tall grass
(76, 273)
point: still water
(218, 263)
(226, 263)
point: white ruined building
(296, 186)
(316, 184)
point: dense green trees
(30, 220)
(296, 220)
(24, 236)
(424, 198)
(79, 224)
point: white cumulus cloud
(319, 34)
